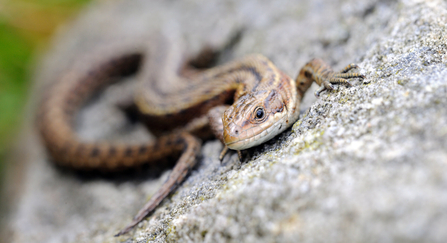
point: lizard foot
(330, 78)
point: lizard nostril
(237, 132)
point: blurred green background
(25, 29)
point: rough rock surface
(366, 163)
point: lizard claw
(330, 78)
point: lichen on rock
(365, 163)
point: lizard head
(254, 119)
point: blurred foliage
(25, 28)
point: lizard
(244, 103)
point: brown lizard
(265, 101)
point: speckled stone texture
(366, 163)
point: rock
(362, 164)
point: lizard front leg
(216, 125)
(320, 72)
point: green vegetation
(14, 55)
(25, 26)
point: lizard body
(265, 102)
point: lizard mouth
(253, 136)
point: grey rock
(366, 163)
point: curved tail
(61, 103)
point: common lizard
(265, 101)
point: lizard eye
(259, 112)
